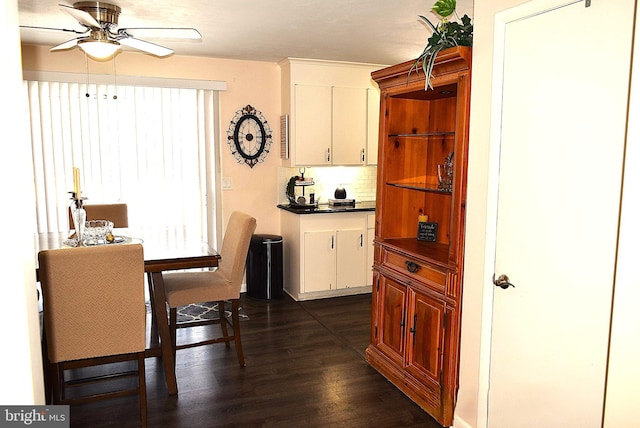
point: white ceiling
(371, 31)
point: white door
(560, 92)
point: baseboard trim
(301, 297)
(460, 423)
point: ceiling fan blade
(163, 33)
(66, 45)
(81, 16)
(148, 47)
(54, 29)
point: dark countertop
(325, 208)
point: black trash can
(264, 267)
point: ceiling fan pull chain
(86, 70)
(115, 81)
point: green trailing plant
(446, 34)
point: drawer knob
(412, 267)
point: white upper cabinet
(312, 129)
(373, 121)
(333, 110)
(349, 126)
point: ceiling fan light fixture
(105, 39)
(100, 50)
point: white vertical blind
(145, 146)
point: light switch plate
(227, 184)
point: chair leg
(46, 370)
(48, 383)
(154, 324)
(142, 390)
(223, 322)
(173, 328)
(57, 382)
(235, 310)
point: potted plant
(446, 34)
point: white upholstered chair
(223, 284)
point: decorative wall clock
(249, 136)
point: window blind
(150, 147)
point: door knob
(502, 281)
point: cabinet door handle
(412, 330)
(362, 156)
(329, 155)
(412, 267)
(361, 240)
(332, 241)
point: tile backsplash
(358, 181)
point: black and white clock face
(249, 136)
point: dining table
(163, 251)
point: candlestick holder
(79, 216)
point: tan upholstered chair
(183, 288)
(117, 213)
(94, 314)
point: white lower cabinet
(351, 255)
(326, 255)
(371, 233)
(319, 261)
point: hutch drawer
(415, 269)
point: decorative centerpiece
(447, 34)
(98, 232)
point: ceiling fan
(101, 37)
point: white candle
(76, 182)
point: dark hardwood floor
(305, 367)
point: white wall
(20, 360)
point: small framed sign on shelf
(427, 231)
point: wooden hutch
(415, 330)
